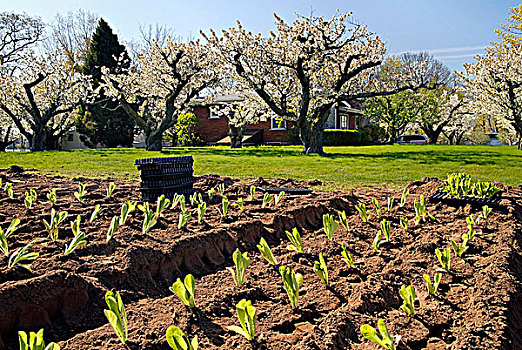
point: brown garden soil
(478, 304)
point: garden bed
(477, 306)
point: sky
(453, 31)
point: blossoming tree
(495, 80)
(161, 85)
(305, 68)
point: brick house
(213, 127)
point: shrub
(342, 137)
(186, 125)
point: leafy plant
(116, 315)
(457, 184)
(177, 200)
(112, 228)
(95, 212)
(30, 198)
(52, 225)
(295, 239)
(292, 281)
(240, 204)
(9, 189)
(266, 252)
(184, 217)
(185, 290)
(389, 204)
(202, 208)
(252, 192)
(193, 199)
(377, 242)
(347, 257)
(75, 225)
(278, 197)
(404, 196)
(329, 225)
(80, 193)
(459, 248)
(211, 194)
(361, 208)
(386, 229)
(484, 189)
(383, 338)
(321, 270)
(444, 257)
(52, 197)
(343, 219)
(78, 241)
(470, 220)
(35, 341)
(267, 199)
(377, 207)
(247, 316)
(150, 218)
(22, 254)
(162, 203)
(126, 209)
(420, 210)
(224, 207)
(432, 287)
(241, 261)
(408, 296)
(404, 223)
(179, 341)
(221, 189)
(110, 189)
(4, 247)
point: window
(213, 114)
(278, 123)
(343, 122)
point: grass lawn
(342, 167)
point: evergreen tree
(103, 122)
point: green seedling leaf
(252, 193)
(389, 204)
(377, 207)
(267, 199)
(22, 254)
(126, 209)
(177, 340)
(432, 287)
(241, 261)
(444, 257)
(202, 208)
(35, 341)
(95, 212)
(361, 208)
(278, 197)
(185, 290)
(184, 217)
(247, 316)
(404, 197)
(295, 239)
(162, 203)
(408, 296)
(347, 257)
(80, 194)
(329, 225)
(52, 197)
(386, 229)
(116, 315)
(404, 223)
(321, 269)
(240, 204)
(266, 252)
(78, 241)
(292, 282)
(343, 220)
(383, 338)
(110, 189)
(112, 228)
(224, 207)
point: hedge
(340, 137)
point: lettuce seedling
(193, 199)
(484, 189)
(52, 225)
(162, 203)
(292, 282)
(240, 204)
(383, 338)
(95, 212)
(267, 199)
(404, 223)
(78, 241)
(75, 225)
(408, 296)
(459, 248)
(35, 341)
(278, 197)
(321, 270)
(470, 220)
(4, 247)
(126, 209)
(361, 208)
(386, 229)
(404, 196)
(30, 198)
(444, 257)
(241, 261)
(485, 212)
(252, 193)
(176, 200)
(80, 193)
(110, 189)
(432, 287)
(184, 217)
(377, 207)
(266, 252)
(52, 196)
(377, 242)
(247, 316)
(329, 225)
(457, 185)
(295, 239)
(185, 290)
(389, 204)
(22, 254)
(202, 208)
(177, 340)
(9, 189)
(347, 257)
(116, 315)
(343, 220)
(149, 220)
(420, 210)
(221, 189)
(211, 193)
(112, 227)
(224, 207)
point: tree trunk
(154, 141)
(312, 138)
(236, 135)
(38, 141)
(6, 142)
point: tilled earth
(478, 304)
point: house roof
(345, 107)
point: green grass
(342, 167)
